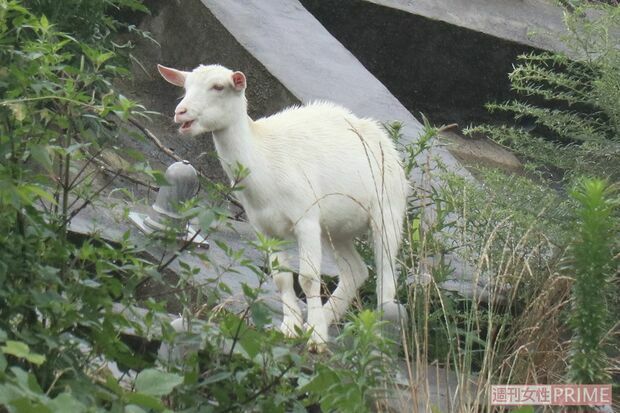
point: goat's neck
(238, 143)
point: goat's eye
(217, 87)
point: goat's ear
(174, 76)
(238, 80)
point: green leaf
(44, 23)
(24, 405)
(157, 383)
(21, 350)
(29, 192)
(65, 403)
(214, 378)
(250, 341)
(103, 57)
(160, 178)
(144, 400)
(40, 153)
(261, 314)
(206, 218)
(323, 379)
(113, 385)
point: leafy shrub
(56, 304)
(358, 371)
(592, 265)
(566, 129)
(90, 21)
(570, 111)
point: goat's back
(322, 153)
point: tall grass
(512, 330)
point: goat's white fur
(318, 175)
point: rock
(479, 151)
(538, 23)
(421, 387)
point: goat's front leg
(308, 232)
(283, 277)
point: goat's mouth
(185, 126)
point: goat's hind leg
(387, 237)
(353, 273)
(387, 233)
(292, 320)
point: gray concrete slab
(537, 23)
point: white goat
(318, 175)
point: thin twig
(79, 173)
(179, 251)
(109, 169)
(238, 331)
(155, 140)
(89, 200)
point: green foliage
(357, 372)
(592, 265)
(56, 303)
(519, 227)
(236, 367)
(89, 20)
(58, 322)
(570, 106)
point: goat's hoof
(396, 316)
(318, 339)
(317, 348)
(290, 328)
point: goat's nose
(180, 111)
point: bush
(570, 110)
(566, 130)
(56, 303)
(591, 263)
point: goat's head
(214, 98)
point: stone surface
(538, 23)
(479, 151)
(424, 387)
(310, 62)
